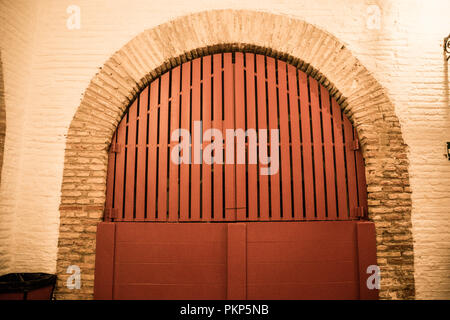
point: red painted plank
(317, 148)
(141, 155)
(174, 124)
(306, 146)
(171, 292)
(320, 272)
(152, 145)
(362, 185)
(168, 251)
(251, 124)
(240, 111)
(303, 291)
(329, 157)
(185, 124)
(174, 274)
(171, 232)
(262, 124)
(325, 249)
(120, 169)
(104, 261)
(351, 167)
(228, 124)
(273, 125)
(163, 139)
(217, 124)
(196, 147)
(285, 165)
(340, 162)
(206, 119)
(341, 231)
(296, 144)
(237, 262)
(110, 177)
(367, 256)
(131, 162)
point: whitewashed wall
(47, 67)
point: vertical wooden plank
(367, 256)
(262, 124)
(340, 162)
(196, 158)
(285, 165)
(240, 111)
(185, 124)
(163, 139)
(237, 262)
(351, 167)
(329, 157)
(362, 185)
(273, 125)
(306, 146)
(152, 145)
(131, 162)
(228, 99)
(120, 169)
(110, 176)
(251, 124)
(141, 155)
(104, 261)
(217, 124)
(317, 148)
(296, 144)
(206, 119)
(174, 125)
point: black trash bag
(25, 282)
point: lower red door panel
(170, 261)
(255, 260)
(311, 260)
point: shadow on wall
(2, 116)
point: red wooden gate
(252, 260)
(311, 244)
(321, 172)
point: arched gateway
(257, 145)
(123, 79)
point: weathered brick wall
(403, 56)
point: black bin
(27, 286)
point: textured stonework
(313, 50)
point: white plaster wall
(17, 20)
(47, 67)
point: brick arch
(313, 50)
